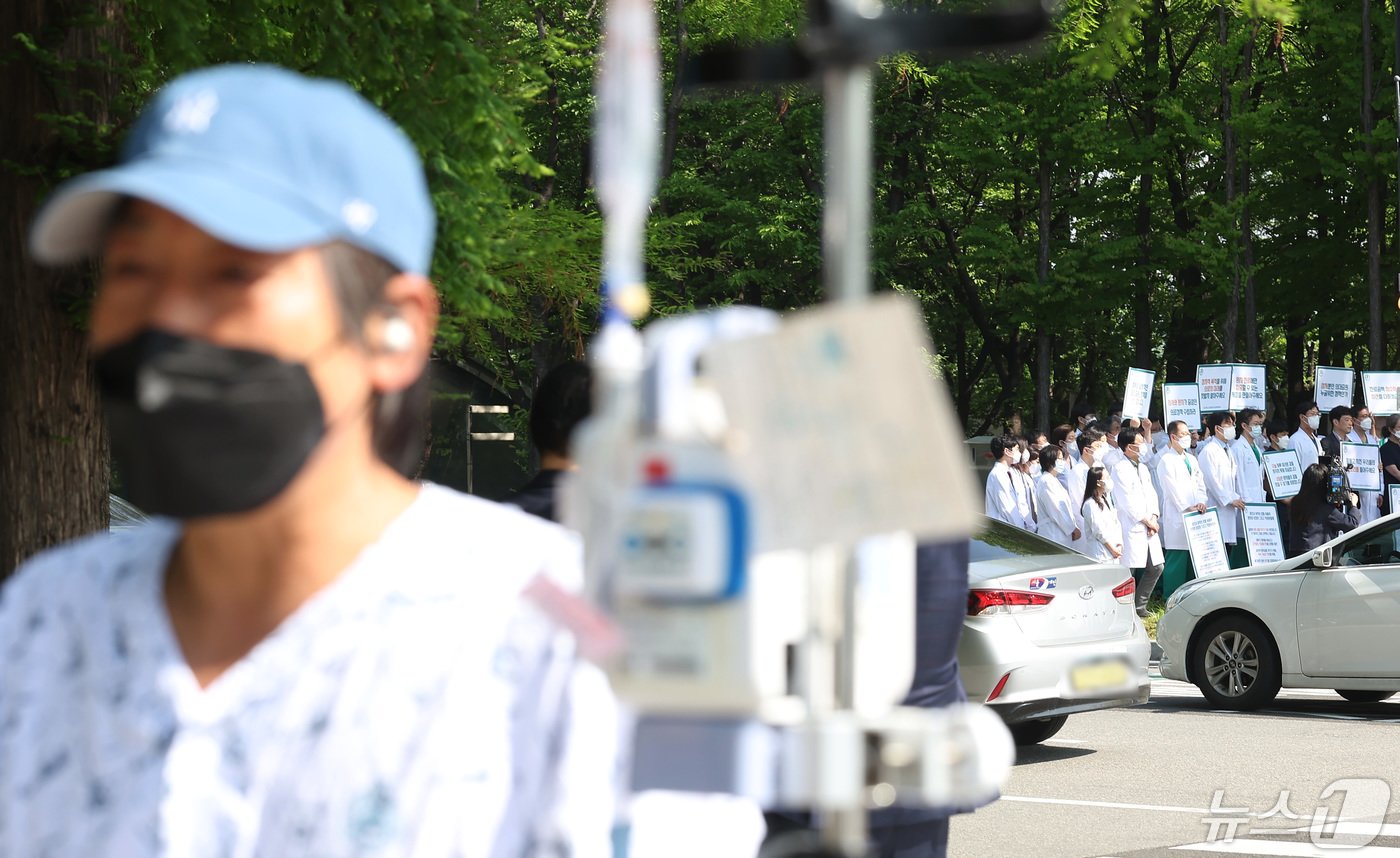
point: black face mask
(201, 430)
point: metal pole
(846, 215)
(846, 133)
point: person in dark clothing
(940, 602)
(1390, 457)
(562, 401)
(1314, 520)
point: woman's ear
(400, 334)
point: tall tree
(56, 103)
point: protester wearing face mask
(1113, 455)
(1248, 456)
(1025, 486)
(1081, 417)
(305, 652)
(1183, 491)
(1390, 459)
(1103, 532)
(1063, 436)
(1139, 515)
(1058, 523)
(1003, 483)
(1091, 447)
(1278, 434)
(1305, 440)
(1035, 442)
(1364, 431)
(1218, 471)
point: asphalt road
(1175, 778)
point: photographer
(1314, 516)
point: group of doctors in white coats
(1133, 510)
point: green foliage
(1122, 108)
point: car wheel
(1365, 696)
(1037, 731)
(1236, 664)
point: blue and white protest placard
(1207, 545)
(1382, 391)
(1137, 393)
(1285, 472)
(1394, 494)
(1182, 402)
(1249, 386)
(1363, 465)
(1214, 381)
(1263, 538)
(1334, 387)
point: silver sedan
(1048, 633)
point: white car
(1327, 619)
(1049, 632)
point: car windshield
(999, 540)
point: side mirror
(1322, 558)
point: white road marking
(1116, 805)
(1384, 830)
(1246, 846)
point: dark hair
(1277, 427)
(1390, 423)
(1303, 406)
(1030, 436)
(1091, 483)
(1218, 419)
(1080, 409)
(398, 419)
(1002, 443)
(562, 401)
(1338, 413)
(1049, 455)
(1171, 427)
(1087, 438)
(1357, 409)
(1128, 437)
(1060, 434)
(1248, 414)
(1311, 495)
(1104, 426)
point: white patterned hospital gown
(416, 706)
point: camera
(1337, 484)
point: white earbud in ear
(397, 335)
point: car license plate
(1104, 675)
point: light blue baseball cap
(262, 158)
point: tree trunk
(551, 154)
(673, 104)
(1042, 334)
(1251, 310)
(1376, 341)
(1230, 329)
(53, 473)
(1142, 301)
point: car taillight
(1124, 592)
(983, 602)
(996, 692)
